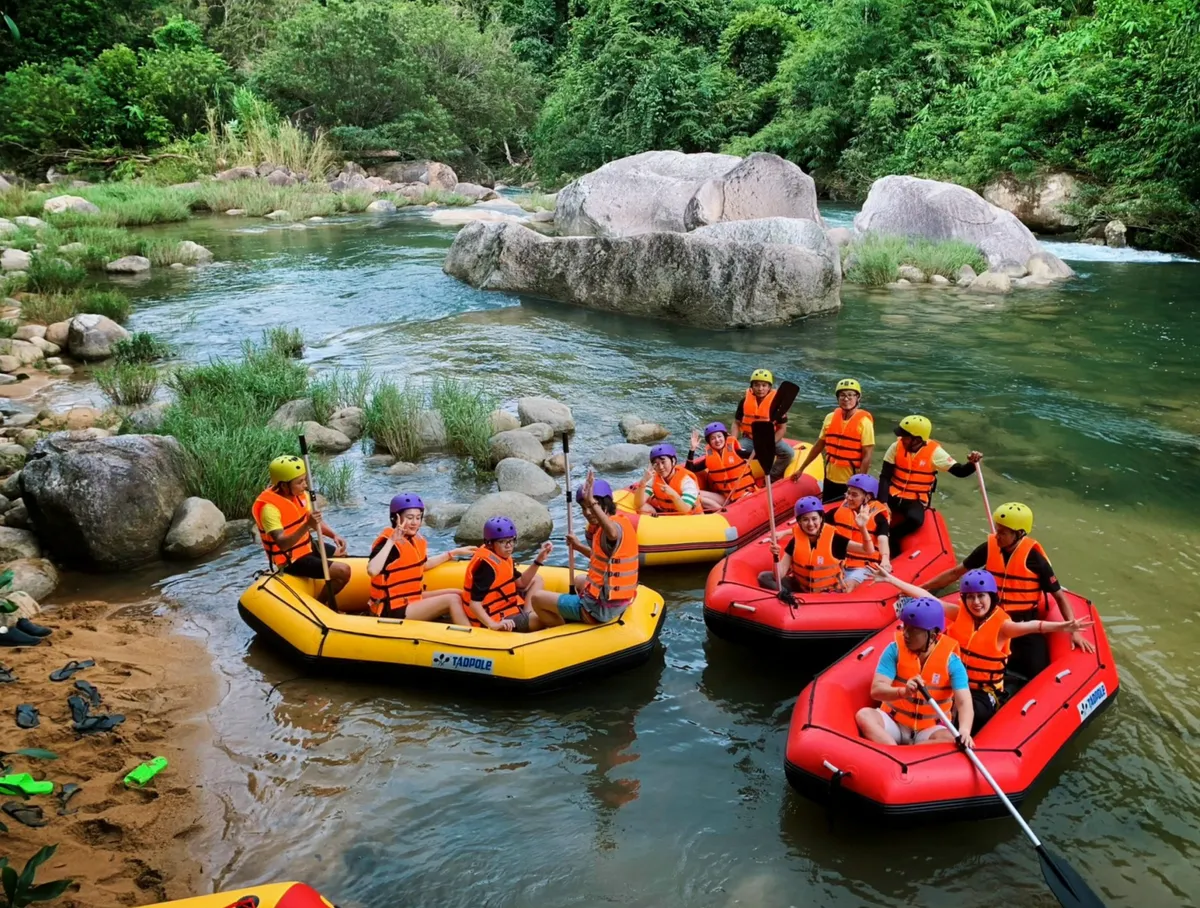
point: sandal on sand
(89, 690)
(27, 716)
(28, 814)
(94, 724)
(69, 669)
(80, 710)
(68, 791)
(6, 675)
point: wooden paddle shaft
(983, 491)
(312, 507)
(570, 514)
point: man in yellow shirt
(847, 441)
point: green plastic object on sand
(144, 773)
(26, 784)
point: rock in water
(193, 253)
(1114, 234)
(197, 528)
(443, 514)
(762, 186)
(130, 264)
(516, 475)
(553, 413)
(646, 433)
(503, 421)
(324, 440)
(992, 282)
(701, 279)
(104, 503)
(517, 443)
(532, 518)
(92, 337)
(1040, 204)
(293, 413)
(909, 206)
(622, 457)
(350, 421)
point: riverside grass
(48, 308)
(875, 260)
(128, 384)
(392, 417)
(466, 412)
(341, 388)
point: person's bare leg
(432, 607)
(545, 607)
(712, 501)
(871, 727)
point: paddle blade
(303, 446)
(1067, 885)
(785, 396)
(763, 433)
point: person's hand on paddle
(775, 550)
(314, 520)
(915, 685)
(1078, 641)
(965, 739)
(974, 457)
(574, 544)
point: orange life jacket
(914, 475)
(292, 513)
(728, 472)
(843, 441)
(658, 497)
(502, 600)
(981, 650)
(754, 410)
(917, 714)
(402, 578)
(847, 527)
(613, 578)
(814, 566)
(1020, 588)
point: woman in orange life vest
(285, 522)
(847, 439)
(399, 560)
(673, 489)
(920, 655)
(909, 474)
(728, 472)
(755, 406)
(812, 561)
(1026, 579)
(861, 493)
(610, 584)
(984, 633)
(496, 593)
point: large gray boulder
(516, 475)
(532, 518)
(104, 503)
(92, 337)
(516, 443)
(324, 440)
(197, 528)
(643, 193)
(431, 431)
(622, 457)
(443, 514)
(1040, 204)
(350, 421)
(553, 413)
(293, 413)
(431, 173)
(762, 186)
(703, 280)
(909, 206)
(129, 264)
(61, 203)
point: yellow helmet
(762, 375)
(848, 384)
(286, 468)
(919, 426)
(1015, 516)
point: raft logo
(1088, 704)
(458, 663)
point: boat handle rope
(1062, 674)
(744, 608)
(1028, 705)
(861, 656)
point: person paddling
(755, 406)
(909, 473)
(861, 492)
(397, 566)
(672, 489)
(984, 633)
(285, 523)
(921, 654)
(847, 440)
(495, 593)
(610, 585)
(812, 560)
(728, 472)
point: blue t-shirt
(890, 659)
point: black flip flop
(95, 724)
(27, 716)
(29, 814)
(6, 675)
(64, 673)
(80, 710)
(89, 689)
(68, 791)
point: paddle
(570, 517)
(983, 491)
(785, 396)
(1066, 885)
(763, 433)
(312, 506)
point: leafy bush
(141, 347)
(128, 384)
(8, 327)
(876, 259)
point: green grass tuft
(341, 388)
(109, 303)
(48, 308)
(334, 479)
(48, 274)
(875, 259)
(141, 347)
(466, 411)
(287, 342)
(128, 384)
(8, 327)
(392, 417)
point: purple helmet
(714, 427)
(809, 504)
(864, 483)
(499, 528)
(664, 450)
(978, 581)
(925, 614)
(600, 489)
(405, 501)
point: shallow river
(664, 786)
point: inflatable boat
(828, 761)
(697, 538)
(269, 895)
(738, 609)
(282, 609)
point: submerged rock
(532, 518)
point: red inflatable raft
(828, 761)
(738, 609)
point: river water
(664, 786)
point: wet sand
(121, 846)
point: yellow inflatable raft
(697, 538)
(281, 609)
(269, 895)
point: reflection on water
(665, 786)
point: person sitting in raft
(861, 492)
(728, 472)
(673, 489)
(812, 560)
(399, 560)
(755, 406)
(909, 473)
(281, 513)
(611, 582)
(1025, 579)
(495, 593)
(984, 633)
(920, 655)
(847, 440)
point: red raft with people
(737, 608)
(831, 763)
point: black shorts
(310, 565)
(986, 704)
